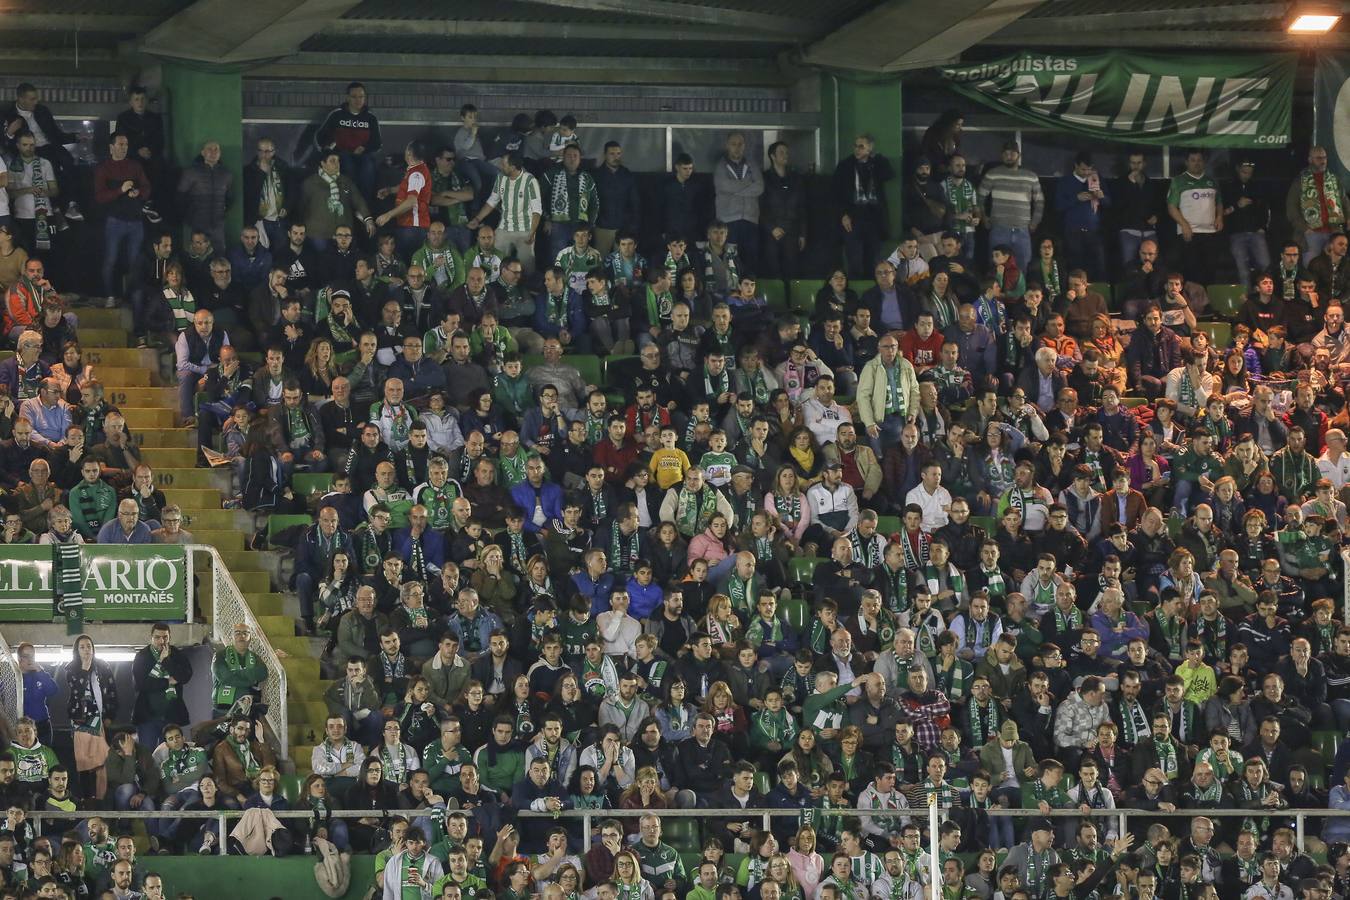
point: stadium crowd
(605, 533)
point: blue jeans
(460, 237)
(123, 793)
(745, 235)
(409, 239)
(360, 168)
(1130, 241)
(337, 833)
(150, 734)
(559, 239)
(1317, 242)
(121, 244)
(1250, 254)
(148, 308)
(1083, 249)
(308, 589)
(891, 427)
(276, 232)
(167, 828)
(1019, 239)
(187, 391)
(1186, 492)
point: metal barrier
(229, 608)
(1122, 816)
(11, 684)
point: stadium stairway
(141, 384)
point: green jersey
(1198, 200)
(32, 764)
(438, 501)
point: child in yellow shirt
(669, 464)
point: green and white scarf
(695, 510)
(334, 200)
(41, 206)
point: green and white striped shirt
(518, 200)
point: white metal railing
(229, 608)
(1345, 586)
(587, 816)
(11, 684)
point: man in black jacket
(617, 189)
(859, 191)
(161, 673)
(782, 215)
(684, 204)
(704, 762)
(268, 187)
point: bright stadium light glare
(1313, 16)
(1312, 24)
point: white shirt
(934, 505)
(23, 204)
(824, 421)
(1338, 472)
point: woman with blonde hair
(628, 879)
(722, 625)
(319, 371)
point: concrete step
(122, 356)
(139, 417)
(170, 457)
(300, 669)
(122, 376)
(164, 436)
(191, 499)
(223, 540)
(103, 337)
(302, 755)
(278, 625)
(253, 582)
(223, 519)
(190, 477)
(308, 734)
(268, 605)
(303, 710)
(104, 318)
(143, 396)
(294, 646)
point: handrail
(1122, 816)
(229, 608)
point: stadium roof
(711, 41)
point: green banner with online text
(1192, 99)
(122, 583)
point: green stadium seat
(1105, 288)
(1326, 743)
(681, 833)
(291, 786)
(985, 522)
(614, 361)
(795, 612)
(802, 294)
(590, 367)
(762, 782)
(306, 483)
(803, 568)
(889, 525)
(1132, 402)
(1220, 333)
(775, 291)
(279, 522)
(1226, 299)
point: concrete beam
(1183, 17)
(694, 14)
(581, 31)
(236, 32)
(939, 35)
(98, 24)
(1181, 38)
(446, 67)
